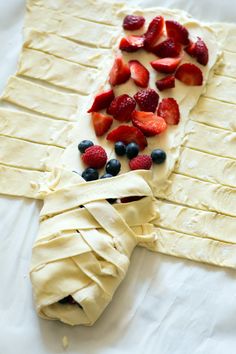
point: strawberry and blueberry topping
(102, 101)
(199, 51)
(167, 82)
(84, 144)
(120, 72)
(169, 110)
(128, 134)
(132, 150)
(166, 65)
(120, 148)
(95, 156)
(154, 32)
(122, 107)
(133, 22)
(131, 43)
(141, 162)
(139, 73)
(177, 31)
(168, 48)
(149, 123)
(101, 123)
(113, 167)
(158, 156)
(147, 100)
(145, 116)
(90, 174)
(189, 74)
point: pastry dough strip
(65, 49)
(105, 12)
(81, 31)
(20, 153)
(199, 194)
(201, 165)
(195, 222)
(198, 249)
(21, 183)
(212, 112)
(41, 99)
(59, 72)
(216, 141)
(34, 128)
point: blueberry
(132, 150)
(158, 156)
(120, 148)
(106, 175)
(84, 144)
(90, 174)
(113, 167)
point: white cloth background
(165, 305)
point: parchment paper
(165, 305)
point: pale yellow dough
(84, 244)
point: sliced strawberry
(147, 100)
(167, 82)
(122, 107)
(139, 73)
(168, 48)
(169, 110)
(166, 65)
(149, 123)
(128, 134)
(189, 74)
(133, 22)
(120, 72)
(198, 50)
(101, 123)
(177, 31)
(190, 49)
(154, 32)
(131, 43)
(102, 100)
(201, 52)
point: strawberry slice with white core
(139, 73)
(177, 31)
(169, 110)
(128, 134)
(102, 100)
(101, 123)
(149, 123)
(189, 74)
(167, 82)
(120, 72)
(131, 43)
(154, 32)
(166, 65)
